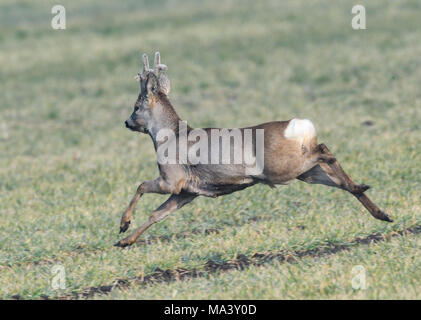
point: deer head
(151, 109)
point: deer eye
(136, 108)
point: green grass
(68, 167)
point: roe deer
(290, 151)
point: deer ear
(159, 71)
(164, 83)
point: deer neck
(164, 118)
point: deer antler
(145, 63)
(163, 81)
(145, 70)
(157, 64)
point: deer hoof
(385, 217)
(124, 226)
(121, 244)
(126, 241)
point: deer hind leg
(329, 172)
(173, 203)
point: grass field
(68, 167)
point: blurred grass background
(68, 167)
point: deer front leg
(173, 203)
(150, 186)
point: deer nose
(126, 123)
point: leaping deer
(290, 152)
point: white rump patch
(300, 129)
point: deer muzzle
(130, 124)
